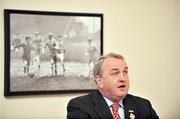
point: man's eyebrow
(115, 69)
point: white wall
(146, 32)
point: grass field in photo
(75, 77)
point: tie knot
(115, 107)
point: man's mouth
(122, 86)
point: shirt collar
(109, 102)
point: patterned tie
(115, 107)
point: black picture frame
(25, 76)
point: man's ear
(99, 81)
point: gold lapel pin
(132, 116)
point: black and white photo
(51, 52)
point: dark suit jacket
(93, 106)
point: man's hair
(50, 34)
(36, 32)
(98, 68)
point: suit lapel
(101, 106)
(129, 107)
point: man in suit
(111, 76)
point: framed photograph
(50, 52)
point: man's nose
(121, 77)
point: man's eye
(125, 72)
(115, 73)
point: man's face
(114, 82)
(36, 34)
(28, 41)
(50, 36)
(89, 41)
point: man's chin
(122, 94)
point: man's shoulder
(85, 98)
(80, 98)
(136, 99)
